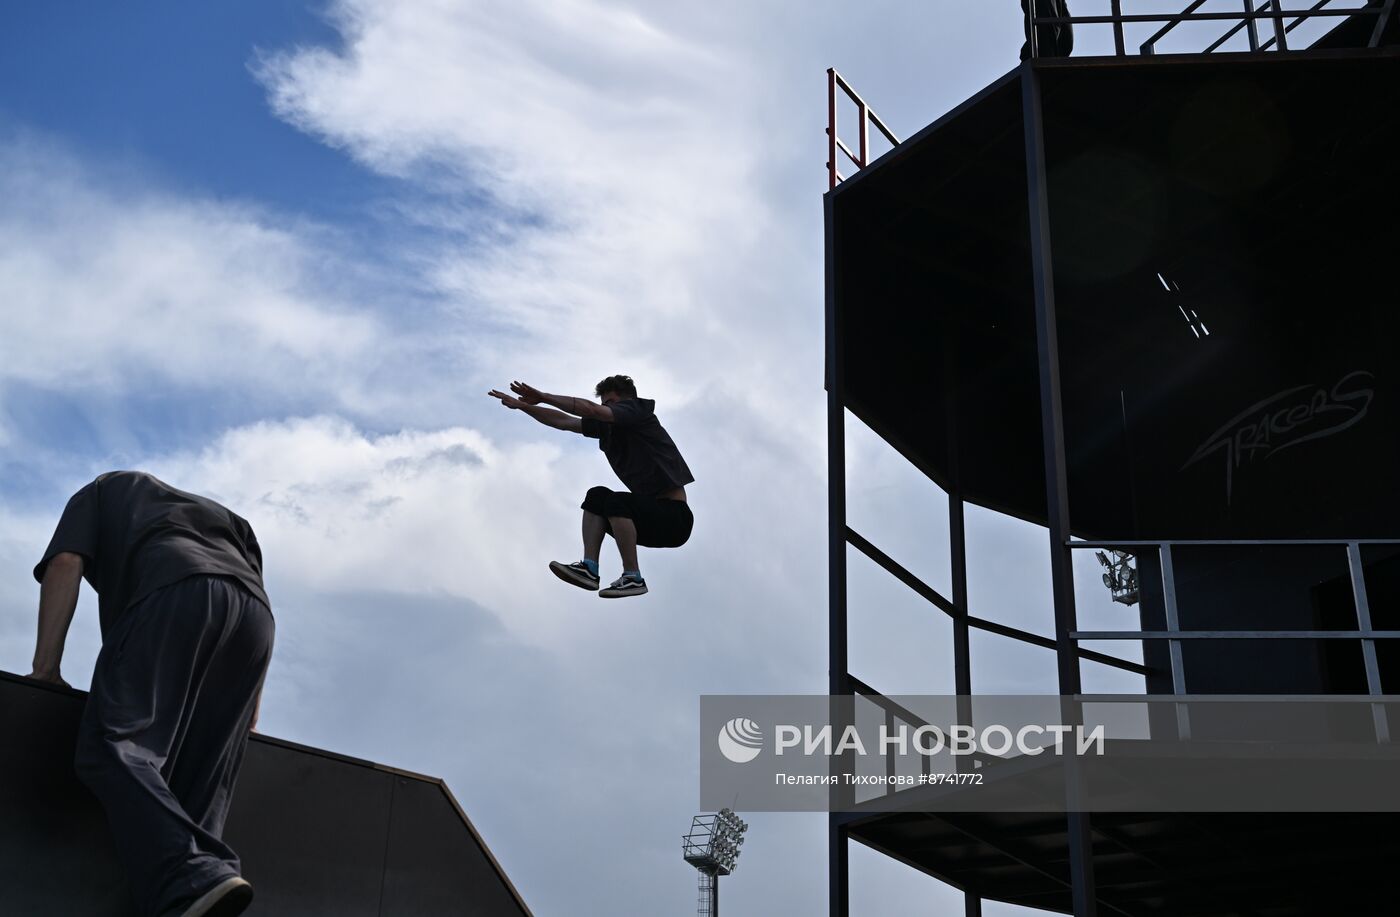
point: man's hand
(578, 407)
(547, 416)
(54, 677)
(515, 404)
(528, 393)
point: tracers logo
(741, 740)
(1286, 419)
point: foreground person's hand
(53, 678)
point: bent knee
(597, 501)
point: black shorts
(660, 523)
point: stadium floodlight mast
(712, 847)
(1121, 577)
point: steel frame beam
(1365, 636)
(1081, 854)
(838, 859)
(1220, 542)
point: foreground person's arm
(58, 597)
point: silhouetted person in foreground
(652, 512)
(1051, 40)
(186, 637)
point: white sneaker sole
(623, 593)
(572, 577)
(227, 899)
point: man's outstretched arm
(547, 416)
(58, 597)
(579, 407)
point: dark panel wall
(1259, 396)
(52, 830)
(435, 866)
(310, 835)
(1278, 587)
(1251, 390)
(1224, 234)
(1228, 323)
(319, 834)
(931, 278)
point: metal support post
(1280, 28)
(1183, 716)
(1056, 495)
(962, 639)
(962, 644)
(864, 134)
(1368, 647)
(837, 662)
(833, 175)
(1251, 25)
(838, 869)
(1382, 20)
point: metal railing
(861, 157)
(956, 612)
(1246, 19)
(896, 713)
(1283, 22)
(1364, 632)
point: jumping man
(653, 512)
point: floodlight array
(714, 842)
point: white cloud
(118, 288)
(641, 240)
(550, 95)
(443, 513)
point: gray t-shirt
(137, 534)
(638, 448)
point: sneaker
(624, 586)
(576, 573)
(226, 899)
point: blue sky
(166, 86)
(277, 253)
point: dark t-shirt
(638, 448)
(137, 534)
